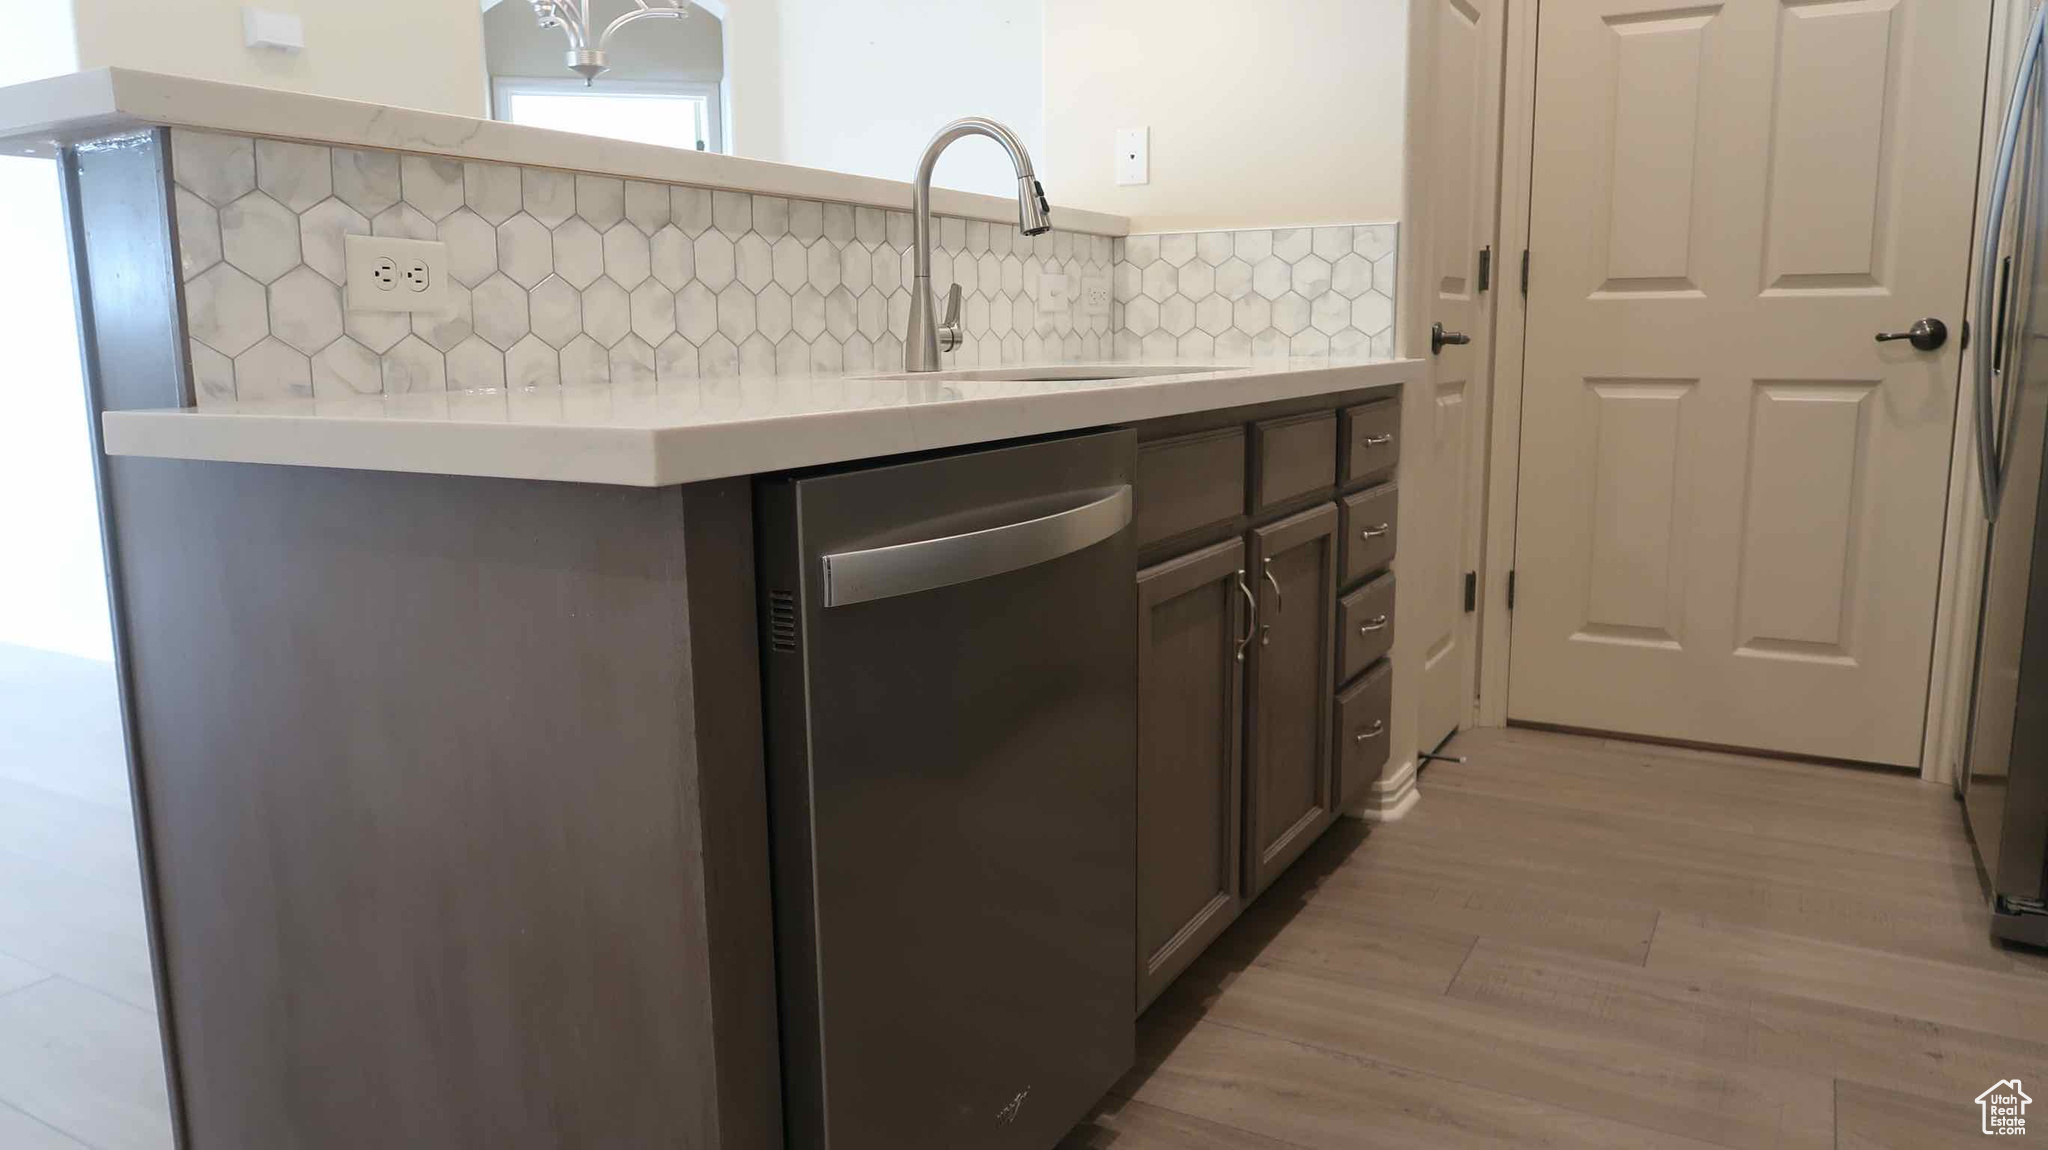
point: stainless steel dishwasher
(949, 652)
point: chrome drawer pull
(1379, 623)
(1379, 440)
(1279, 600)
(1375, 532)
(1250, 618)
(1378, 728)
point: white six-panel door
(1730, 520)
(1449, 467)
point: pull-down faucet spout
(926, 339)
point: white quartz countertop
(710, 428)
(38, 117)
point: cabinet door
(1289, 797)
(1193, 613)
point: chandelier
(586, 52)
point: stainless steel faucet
(925, 339)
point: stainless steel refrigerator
(2005, 785)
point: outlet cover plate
(1094, 295)
(374, 261)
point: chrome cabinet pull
(882, 572)
(1379, 440)
(1375, 532)
(1378, 728)
(1251, 616)
(1279, 600)
(1378, 623)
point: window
(675, 115)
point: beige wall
(412, 53)
(1260, 114)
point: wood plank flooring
(1575, 942)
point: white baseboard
(1393, 796)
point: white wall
(860, 85)
(1260, 114)
(412, 53)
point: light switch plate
(387, 274)
(1052, 294)
(1134, 155)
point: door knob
(1925, 334)
(1438, 337)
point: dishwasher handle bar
(906, 568)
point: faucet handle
(949, 331)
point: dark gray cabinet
(1289, 789)
(1192, 618)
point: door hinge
(1471, 591)
(1525, 271)
(1511, 590)
(1485, 267)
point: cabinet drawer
(1188, 483)
(1370, 434)
(1371, 522)
(1293, 457)
(1365, 626)
(1365, 710)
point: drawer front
(1365, 711)
(1293, 457)
(1188, 483)
(1371, 434)
(1371, 523)
(1365, 626)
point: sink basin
(1076, 373)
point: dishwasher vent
(781, 621)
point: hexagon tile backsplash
(562, 278)
(1267, 292)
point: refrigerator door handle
(1988, 463)
(882, 572)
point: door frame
(1949, 660)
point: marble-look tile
(1177, 315)
(757, 356)
(1350, 342)
(1310, 277)
(433, 185)
(789, 262)
(771, 217)
(886, 270)
(198, 224)
(500, 312)
(871, 314)
(1309, 342)
(696, 312)
(413, 366)
(1159, 345)
(870, 225)
(472, 247)
(631, 363)
(1329, 313)
(376, 330)
(737, 313)
(321, 245)
(718, 358)
(366, 181)
(218, 169)
(1196, 280)
(295, 175)
(1252, 314)
(557, 311)
(305, 310)
(675, 360)
(672, 257)
(1272, 277)
(403, 221)
(1176, 248)
(1141, 316)
(1291, 244)
(1158, 280)
(715, 260)
(607, 312)
(732, 213)
(822, 266)
(1351, 275)
(1196, 344)
(525, 250)
(531, 363)
(1290, 313)
(272, 370)
(1232, 344)
(1269, 344)
(839, 225)
(827, 357)
(492, 191)
(647, 205)
(901, 230)
(1374, 240)
(445, 329)
(259, 236)
(807, 312)
(226, 310)
(585, 363)
(1212, 314)
(213, 374)
(547, 196)
(578, 253)
(806, 220)
(690, 209)
(1372, 313)
(346, 367)
(473, 365)
(627, 255)
(601, 200)
(1233, 279)
(1213, 248)
(753, 262)
(856, 268)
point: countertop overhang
(706, 429)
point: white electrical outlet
(1094, 295)
(1052, 294)
(1134, 155)
(386, 274)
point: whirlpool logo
(1008, 1114)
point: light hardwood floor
(1581, 943)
